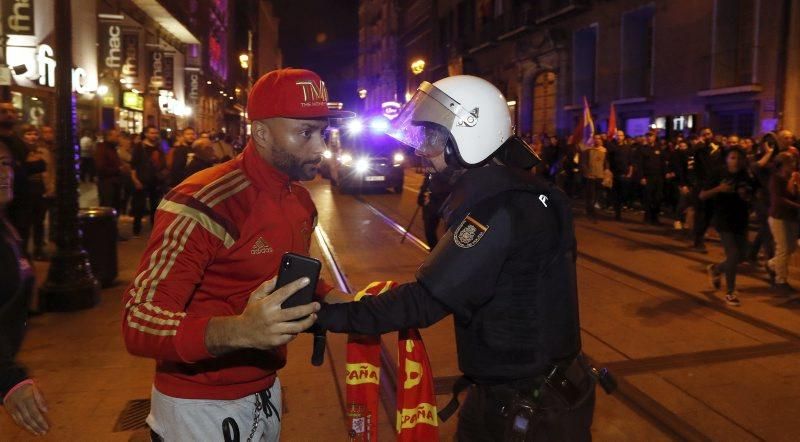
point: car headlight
(362, 165)
(327, 154)
(399, 158)
(346, 159)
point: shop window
(637, 52)
(544, 103)
(584, 53)
(734, 43)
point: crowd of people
(730, 182)
(131, 171)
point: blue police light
(355, 126)
(379, 125)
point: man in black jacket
(620, 160)
(149, 177)
(708, 163)
(505, 270)
(651, 169)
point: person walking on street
(87, 145)
(620, 162)
(149, 175)
(678, 169)
(651, 169)
(783, 219)
(37, 191)
(708, 163)
(20, 210)
(763, 167)
(202, 157)
(125, 154)
(20, 395)
(594, 164)
(733, 192)
(177, 157)
(109, 170)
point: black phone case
(294, 267)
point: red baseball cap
(289, 93)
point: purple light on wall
(218, 39)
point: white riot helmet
(467, 111)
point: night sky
(322, 36)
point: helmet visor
(425, 121)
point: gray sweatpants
(190, 420)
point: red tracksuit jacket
(217, 237)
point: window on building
(734, 43)
(739, 122)
(584, 54)
(637, 52)
(544, 104)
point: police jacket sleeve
(405, 306)
(462, 272)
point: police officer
(435, 189)
(651, 167)
(505, 270)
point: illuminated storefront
(31, 53)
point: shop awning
(161, 16)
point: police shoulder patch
(469, 232)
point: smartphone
(294, 267)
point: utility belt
(523, 402)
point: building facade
(675, 65)
(169, 64)
(378, 74)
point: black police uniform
(651, 165)
(506, 271)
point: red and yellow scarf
(417, 418)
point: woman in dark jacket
(20, 395)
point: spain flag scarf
(416, 404)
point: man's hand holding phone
(263, 324)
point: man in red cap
(203, 303)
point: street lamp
(244, 60)
(418, 66)
(362, 93)
(70, 284)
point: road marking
(389, 372)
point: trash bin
(99, 226)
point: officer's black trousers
(480, 419)
(653, 192)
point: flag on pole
(612, 122)
(587, 127)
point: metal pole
(70, 284)
(410, 223)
